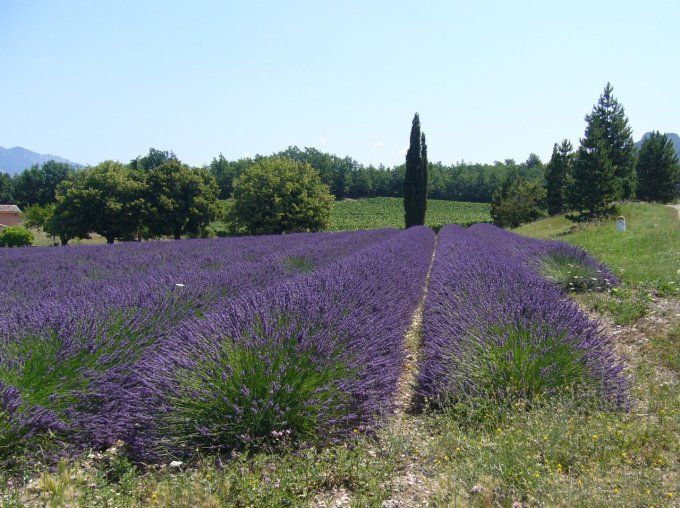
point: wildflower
(594, 437)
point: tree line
(588, 182)
(152, 196)
(345, 177)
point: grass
(646, 257)
(648, 252)
(375, 213)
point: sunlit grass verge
(261, 395)
(297, 478)
(624, 304)
(565, 450)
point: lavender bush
(312, 359)
(75, 317)
(494, 327)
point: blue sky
(95, 80)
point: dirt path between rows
(411, 487)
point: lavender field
(208, 346)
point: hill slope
(15, 160)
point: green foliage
(348, 178)
(593, 186)
(179, 200)
(38, 184)
(608, 121)
(6, 189)
(658, 170)
(415, 178)
(242, 409)
(152, 160)
(15, 236)
(604, 168)
(38, 217)
(557, 175)
(225, 172)
(337, 172)
(376, 213)
(280, 195)
(518, 201)
(107, 199)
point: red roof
(10, 209)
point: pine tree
(658, 170)
(415, 179)
(609, 117)
(558, 170)
(593, 185)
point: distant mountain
(675, 139)
(15, 160)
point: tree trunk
(110, 240)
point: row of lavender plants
(267, 338)
(496, 328)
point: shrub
(264, 394)
(15, 236)
(517, 203)
(280, 196)
(572, 274)
(493, 327)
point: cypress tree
(421, 202)
(415, 178)
(593, 185)
(609, 117)
(658, 170)
(558, 170)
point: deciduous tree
(280, 195)
(180, 200)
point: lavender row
(51, 291)
(59, 335)
(315, 358)
(493, 326)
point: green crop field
(374, 213)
